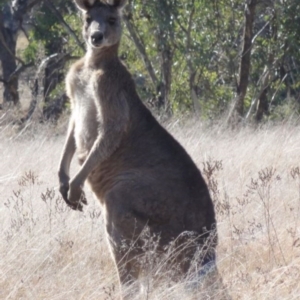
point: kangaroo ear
(119, 3)
(84, 5)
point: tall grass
(50, 252)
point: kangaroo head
(102, 22)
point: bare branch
(17, 72)
(37, 81)
(20, 69)
(65, 25)
(3, 42)
(259, 32)
(278, 88)
(32, 4)
(264, 79)
(141, 48)
(182, 27)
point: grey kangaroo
(141, 175)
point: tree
(45, 26)
(58, 40)
(198, 55)
(159, 16)
(245, 61)
(11, 18)
(275, 62)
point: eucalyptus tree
(11, 22)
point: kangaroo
(141, 175)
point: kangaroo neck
(99, 58)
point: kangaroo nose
(97, 38)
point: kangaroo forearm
(101, 150)
(68, 153)
(67, 157)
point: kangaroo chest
(88, 118)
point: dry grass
(50, 252)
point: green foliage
(210, 49)
(49, 32)
(32, 50)
(204, 38)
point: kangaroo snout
(97, 38)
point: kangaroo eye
(112, 21)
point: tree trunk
(193, 93)
(54, 75)
(245, 62)
(11, 19)
(166, 71)
(191, 67)
(262, 105)
(8, 38)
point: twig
(65, 25)
(32, 4)
(141, 48)
(35, 89)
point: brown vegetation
(50, 252)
